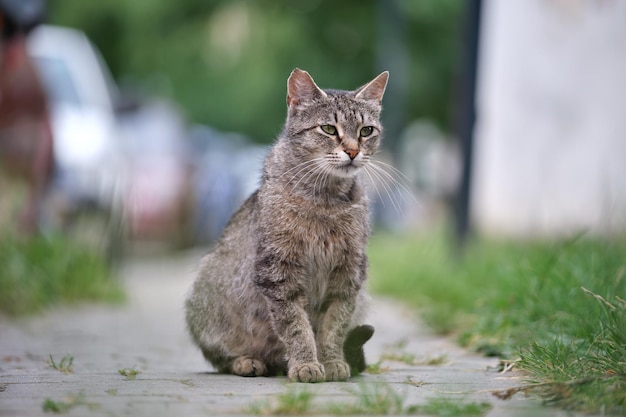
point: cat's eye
(329, 129)
(366, 131)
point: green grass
(369, 399)
(66, 404)
(65, 365)
(41, 272)
(445, 407)
(555, 306)
(129, 373)
(376, 368)
(413, 360)
(291, 402)
(51, 406)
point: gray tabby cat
(283, 289)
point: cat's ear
(375, 89)
(301, 88)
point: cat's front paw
(337, 371)
(247, 366)
(307, 372)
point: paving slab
(148, 335)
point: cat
(283, 289)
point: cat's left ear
(375, 89)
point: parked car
(227, 169)
(159, 198)
(88, 163)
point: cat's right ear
(375, 89)
(301, 89)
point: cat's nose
(352, 153)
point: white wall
(550, 154)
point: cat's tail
(353, 347)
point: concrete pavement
(148, 335)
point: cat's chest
(331, 237)
(330, 241)
(321, 237)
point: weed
(371, 399)
(129, 373)
(66, 365)
(51, 406)
(260, 408)
(411, 381)
(290, 402)
(62, 406)
(376, 368)
(441, 406)
(411, 359)
(399, 345)
(187, 382)
(406, 358)
(436, 360)
(294, 402)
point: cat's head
(340, 130)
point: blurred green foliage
(45, 271)
(227, 62)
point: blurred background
(135, 128)
(145, 123)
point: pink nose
(352, 153)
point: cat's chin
(346, 171)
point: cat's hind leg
(239, 365)
(247, 366)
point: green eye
(329, 129)
(366, 131)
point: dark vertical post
(466, 118)
(392, 55)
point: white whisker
(399, 179)
(369, 176)
(304, 165)
(323, 175)
(307, 174)
(327, 176)
(309, 168)
(387, 188)
(395, 170)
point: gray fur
(285, 282)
